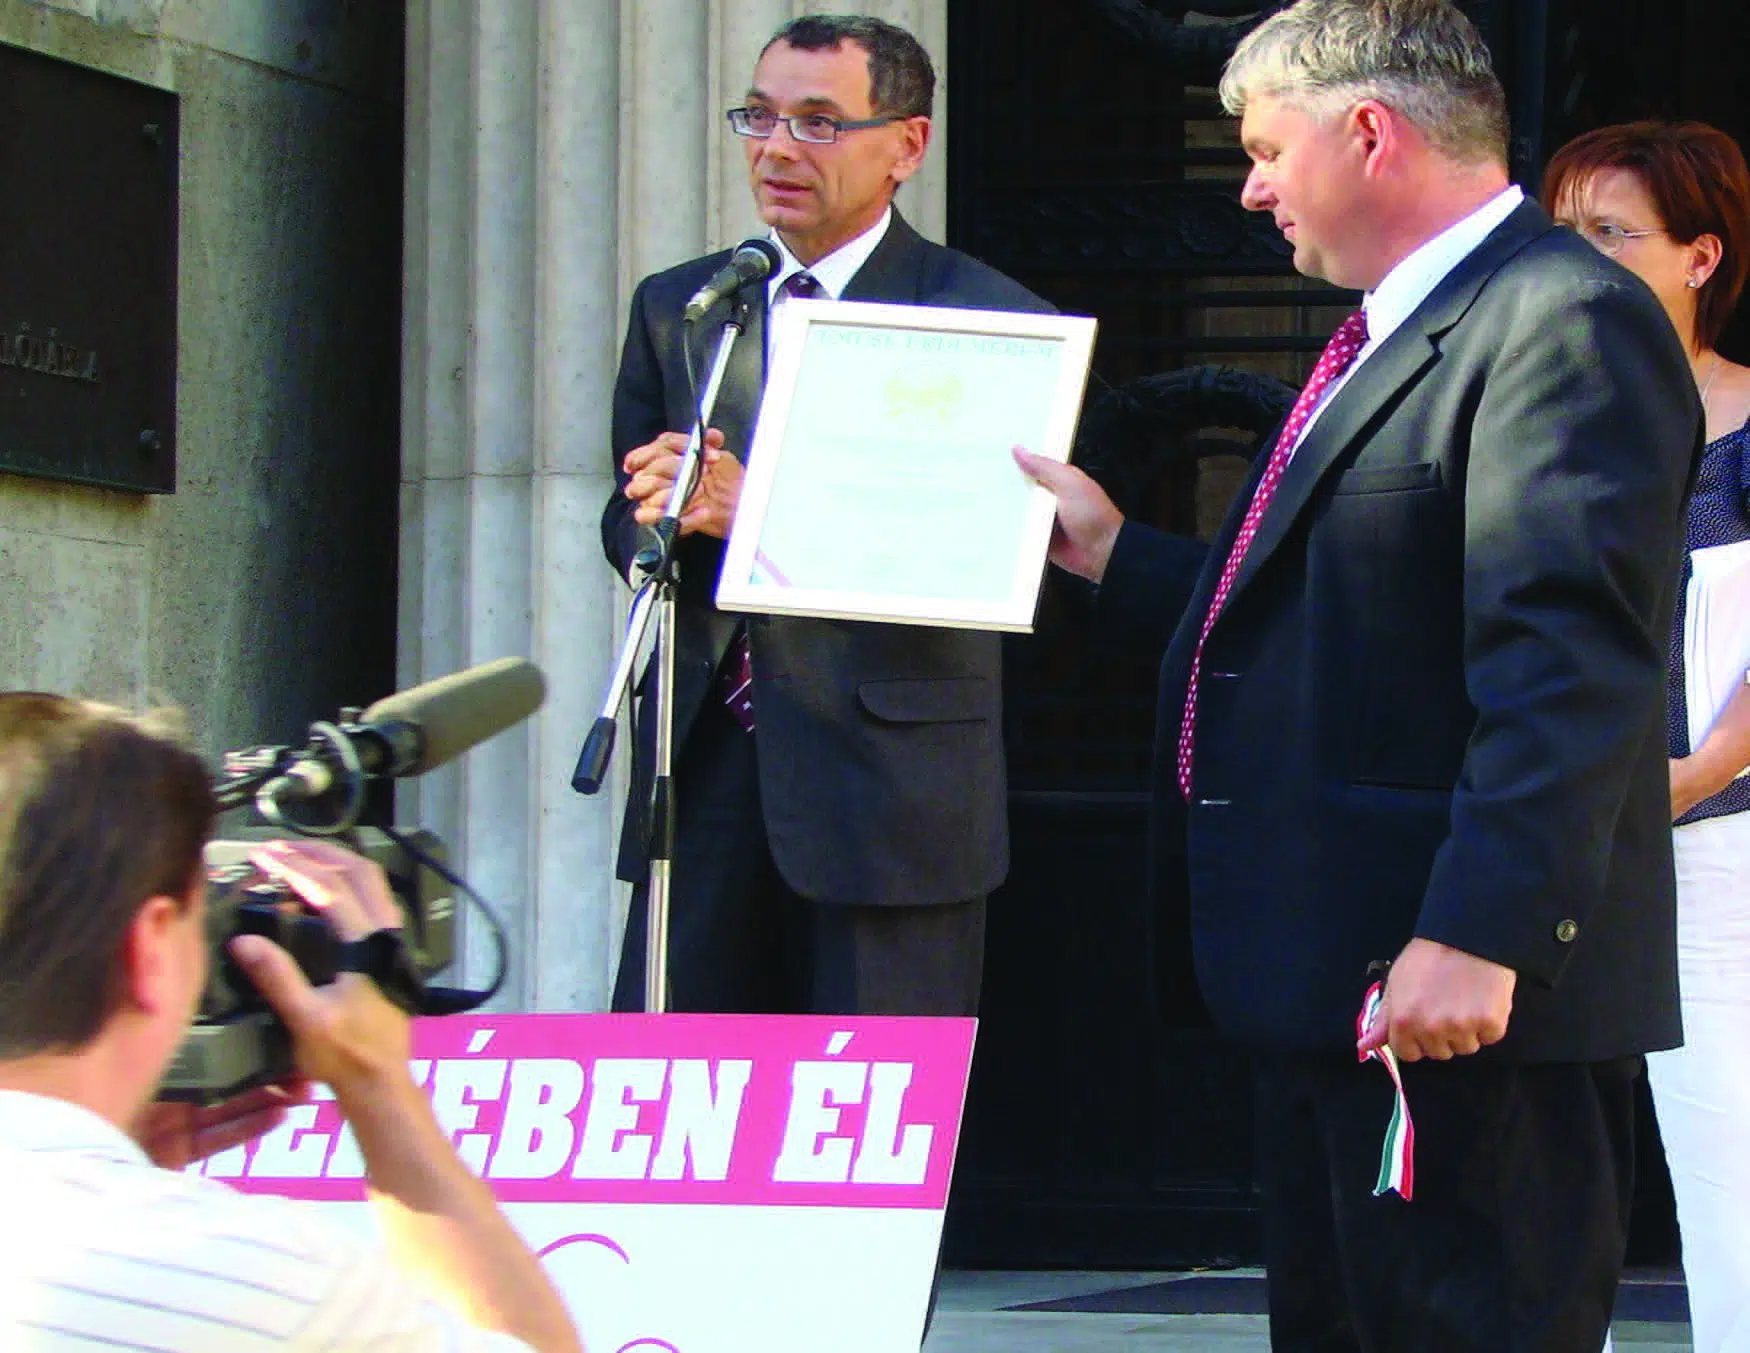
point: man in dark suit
(1411, 708)
(836, 839)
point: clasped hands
(711, 507)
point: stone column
(435, 440)
(468, 428)
(578, 605)
(557, 152)
(739, 28)
(258, 595)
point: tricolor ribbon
(1397, 1158)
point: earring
(1694, 283)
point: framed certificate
(880, 484)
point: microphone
(421, 728)
(753, 261)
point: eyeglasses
(1609, 239)
(818, 129)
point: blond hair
(1421, 58)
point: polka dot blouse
(1719, 514)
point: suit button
(1567, 931)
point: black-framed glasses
(818, 129)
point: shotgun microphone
(423, 727)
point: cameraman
(103, 957)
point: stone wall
(555, 151)
(261, 594)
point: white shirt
(100, 1251)
(1406, 286)
(834, 272)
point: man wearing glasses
(841, 796)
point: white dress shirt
(834, 272)
(102, 1250)
(1406, 286)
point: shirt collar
(835, 271)
(43, 1123)
(1406, 286)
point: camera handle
(268, 778)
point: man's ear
(150, 958)
(915, 132)
(1374, 129)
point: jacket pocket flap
(1421, 474)
(926, 699)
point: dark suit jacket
(879, 746)
(1433, 703)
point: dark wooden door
(1107, 1125)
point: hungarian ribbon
(1397, 1158)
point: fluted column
(557, 151)
(435, 434)
(496, 780)
(578, 605)
(468, 518)
(739, 29)
(663, 121)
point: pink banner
(796, 1111)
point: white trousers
(1702, 1090)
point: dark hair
(1699, 184)
(99, 811)
(902, 82)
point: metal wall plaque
(88, 220)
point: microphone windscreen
(459, 711)
(766, 250)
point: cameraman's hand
(176, 1135)
(346, 1033)
(443, 1228)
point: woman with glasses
(1671, 203)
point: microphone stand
(655, 598)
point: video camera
(236, 1041)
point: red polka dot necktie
(1339, 355)
(737, 677)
